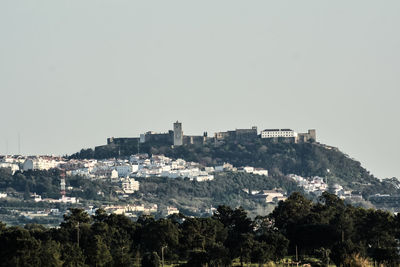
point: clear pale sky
(73, 73)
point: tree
(151, 259)
(197, 259)
(234, 220)
(19, 248)
(341, 251)
(2, 227)
(289, 215)
(217, 255)
(245, 247)
(72, 255)
(291, 211)
(276, 243)
(239, 228)
(198, 233)
(76, 225)
(76, 216)
(50, 254)
(157, 234)
(98, 253)
(27, 193)
(261, 252)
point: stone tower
(178, 134)
(312, 135)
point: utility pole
(327, 257)
(239, 198)
(328, 171)
(162, 254)
(77, 234)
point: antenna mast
(19, 144)
(62, 184)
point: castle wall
(122, 140)
(310, 136)
(194, 140)
(177, 138)
(166, 138)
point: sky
(73, 73)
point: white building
(209, 169)
(65, 199)
(260, 171)
(178, 164)
(80, 172)
(248, 169)
(172, 210)
(12, 166)
(124, 170)
(169, 210)
(273, 133)
(129, 185)
(337, 188)
(40, 163)
(202, 178)
(114, 174)
(271, 196)
(36, 197)
(224, 167)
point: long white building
(40, 163)
(272, 133)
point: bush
(356, 260)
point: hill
(190, 197)
(279, 158)
(226, 189)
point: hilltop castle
(176, 137)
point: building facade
(273, 133)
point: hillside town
(139, 165)
(120, 172)
(124, 171)
(125, 174)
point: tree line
(328, 230)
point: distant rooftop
(276, 130)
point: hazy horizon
(74, 73)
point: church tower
(178, 134)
